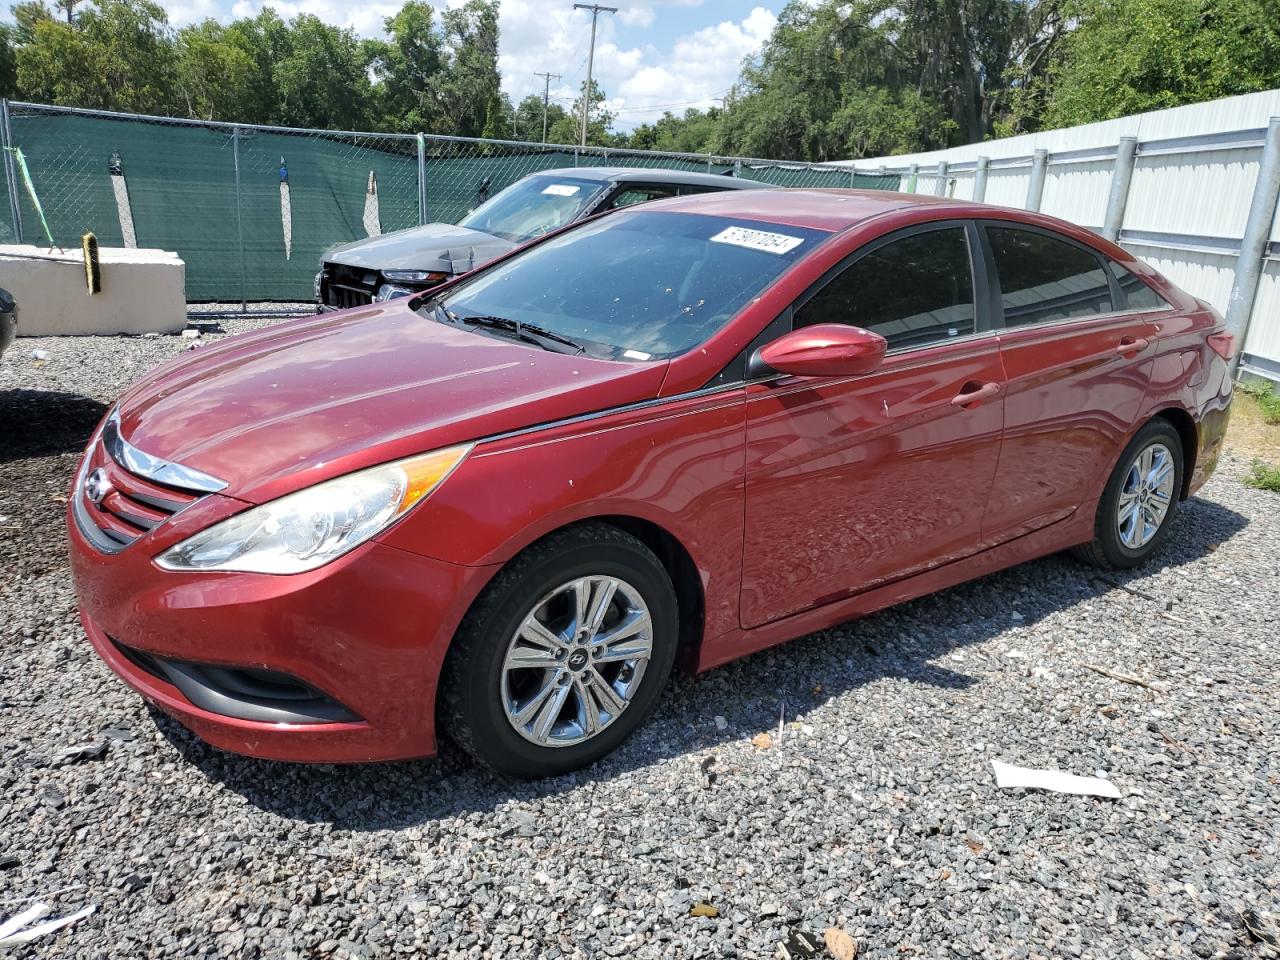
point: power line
(596, 10)
(546, 93)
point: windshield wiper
(527, 332)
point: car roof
(818, 209)
(654, 175)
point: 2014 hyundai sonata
(690, 430)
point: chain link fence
(251, 209)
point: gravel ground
(875, 811)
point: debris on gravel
(873, 811)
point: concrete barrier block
(143, 291)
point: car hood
(441, 247)
(298, 403)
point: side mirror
(822, 350)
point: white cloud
(640, 81)
(638, 16)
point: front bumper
(369, 631)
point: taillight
(1221, 343)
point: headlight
(307, 529)
(389, 291)
(414, 276)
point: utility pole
(596, 10)
(546, 95)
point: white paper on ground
(30, 915)
(1008, 775)
(26, 936)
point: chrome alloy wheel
(576, 661)
(1145, 496)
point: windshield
(635, 285)
(533, 206)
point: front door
(852, 482)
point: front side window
(913, 291)
(1043, 278)
(533, 206)
(635, 285)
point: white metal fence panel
(1199, 194)
(1198, 179)
(1077, 191)
(1007, 186)
(1264, 337)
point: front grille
(114, 506)
(342, 286)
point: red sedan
(692, 430)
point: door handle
(1131, 345)
(975, 393)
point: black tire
(1106, 549)
(471, 707)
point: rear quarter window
(1137, 295)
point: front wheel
(563, 655)
(1140, 500)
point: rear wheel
(1140, 500)
(563, 655)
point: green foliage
(854, 78)
(693, 132)
(1265, 394)
(1126, 56)
(433, 73)
(322, 80)
(1256, 387)
(1270, 408)
(568, 129)
(118, 55)
(8, 62)
(1264, 476)
(216, 72)
(527, 118)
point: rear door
(1078, 363)
(858, 480)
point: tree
(839, 79)
(407, 66)
(267, 40)
(468, 94)
(1127, 56)
(118, 55)
(691, 133)
(215, 73)
(528, 118)
(568, 129)
(323, 81)
(8, 62)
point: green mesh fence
(258, 241)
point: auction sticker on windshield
(761, 240)
(562, 189)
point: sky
(652, 55)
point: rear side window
(913, 292)
(1137, 295)
(1043, 278)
